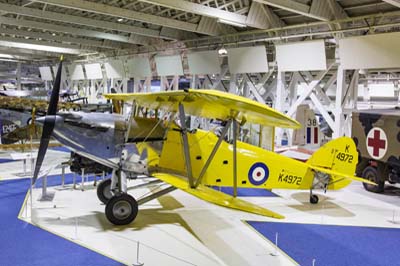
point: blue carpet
(60, 148)
(246, 192)
(5, 160)
(23, 244)
(332, 245)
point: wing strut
(186, 145)
(213, 152)
(234, 129)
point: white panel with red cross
(376, 143)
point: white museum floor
(179, 229)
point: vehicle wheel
(314, 199)
(104, 191)
(372, 174)
(122, 209)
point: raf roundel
(258, 174)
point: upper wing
(210, 104)
(216, 197)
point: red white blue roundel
(258, 174)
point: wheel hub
(107, 192)
(122, 210)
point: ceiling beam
(395, 3)
(262, 15)
(37, 13)
(199, 9)
(71, 30)
(298, 8)
(118, 12)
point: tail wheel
(122, 209)
(372, 174)
(314, 199)
(104, 191)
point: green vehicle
(377, 137)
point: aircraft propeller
(48, 123)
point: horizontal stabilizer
(334, 173)
(216, 197)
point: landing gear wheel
(122, 209)
(314, 199)
(372, 174)
(104, 191)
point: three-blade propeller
(49, 123)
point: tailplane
(335, 164)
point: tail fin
(339, 159)
(310, 133)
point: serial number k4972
(290, 179)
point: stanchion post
(275, 253)
(137, 263)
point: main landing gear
(122, 209)
(104, 191)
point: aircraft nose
(40, 120)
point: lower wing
(216, 197)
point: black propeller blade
(49, 123)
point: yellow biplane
(190, 159)
(194, 160)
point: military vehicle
(376, 133)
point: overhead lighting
(53, 34)
(47, 48)
(120, 19)
(6, 56)
(232, 23)
(222, 51)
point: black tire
(122, 209)
(372, 174)
(104, 191)
(314, 199)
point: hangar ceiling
(44, 29)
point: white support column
(175, 83)
(19, 76)
(366, 94)
(292, 88)
(194, 82)
(353, 93)
(124, 85)
(147, 84)
(136, 84)
(340, 87)
(232, 84)
(163, 83)
(279, 102)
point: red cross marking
(376, 142)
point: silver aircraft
(108, 139)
